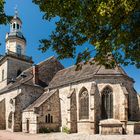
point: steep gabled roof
(69, 75)
(46, 72)
(44, 97)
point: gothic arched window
(84, 104)
(49, 119)
(107, 103)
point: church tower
(14, 61)
(15, 41)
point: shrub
(44, 130)
(48, 130)
(66, 130)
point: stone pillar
(93, 108)
(68, 111)
(71, 111)
(125, 107)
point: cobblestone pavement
(5, 135)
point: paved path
(5, 135)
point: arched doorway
(107, 103)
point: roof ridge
(43, 61)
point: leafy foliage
(3, 17)
(48, 130)
(111, 26)
(66, 130)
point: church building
(43, 97)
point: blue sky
(34, 29)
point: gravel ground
(6, 135)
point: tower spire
(16, 11)
(15, 41)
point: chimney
(35, 75)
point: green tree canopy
(111, 26)
(3, 17)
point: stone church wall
(2, 115)
(14, 65)
(11, 67)
(29, 122)
(52, 107)
(9, 106)
(28, 95)
(91, 125)
(118, 100)
(82, 125)
(133, 100)
(3, 82)
(37, 117)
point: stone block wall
(133, 128)
(65, 106)
(111, 127)
(3, 82)
(133, 104)
(28, 95)
(11, 67)
(2, 115)
(14, 65)
(52, 107)
(118, 100)
(29, 122)
(92, 124)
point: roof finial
(16, 11)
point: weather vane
(16, 11)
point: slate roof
(28, 80)
(1, 56)
(44, 97)
(69, 75)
